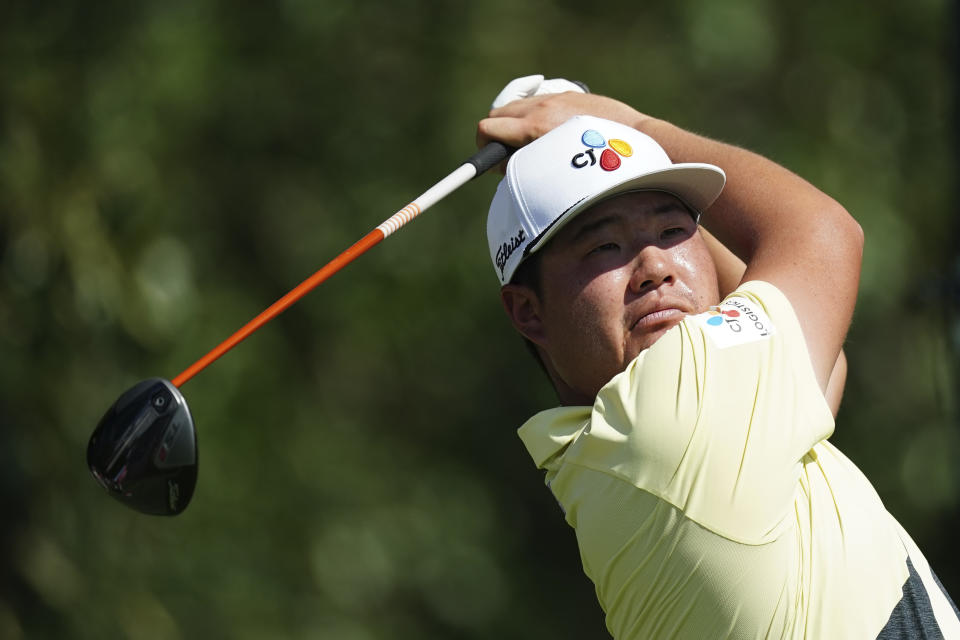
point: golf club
(144, 449)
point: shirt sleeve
(717, 417)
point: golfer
(698, 384)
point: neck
(568, 396)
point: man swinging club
(699, 375)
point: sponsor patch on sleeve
(735, 321)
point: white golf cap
(581, 162)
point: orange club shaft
(491, 155)
(281, 305)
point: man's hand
(523, 120)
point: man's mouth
(658, 317)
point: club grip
(496, 152)
(490, 156)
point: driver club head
(144, 449)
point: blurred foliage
(169, 169)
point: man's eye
(673, 232)
(607, 246)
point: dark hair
(528, 275)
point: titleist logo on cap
(507, 248)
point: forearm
(763, 205)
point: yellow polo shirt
(706, 499)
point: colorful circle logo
(609, 157)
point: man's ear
(525, 309)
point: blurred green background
(169, 169)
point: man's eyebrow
(660, 210)
(670, 207)
(590, 227)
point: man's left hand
(524, 120)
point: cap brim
(696, 184)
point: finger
(514, 132)
(516, 108)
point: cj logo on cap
(609, 158)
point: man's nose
(651, 268)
